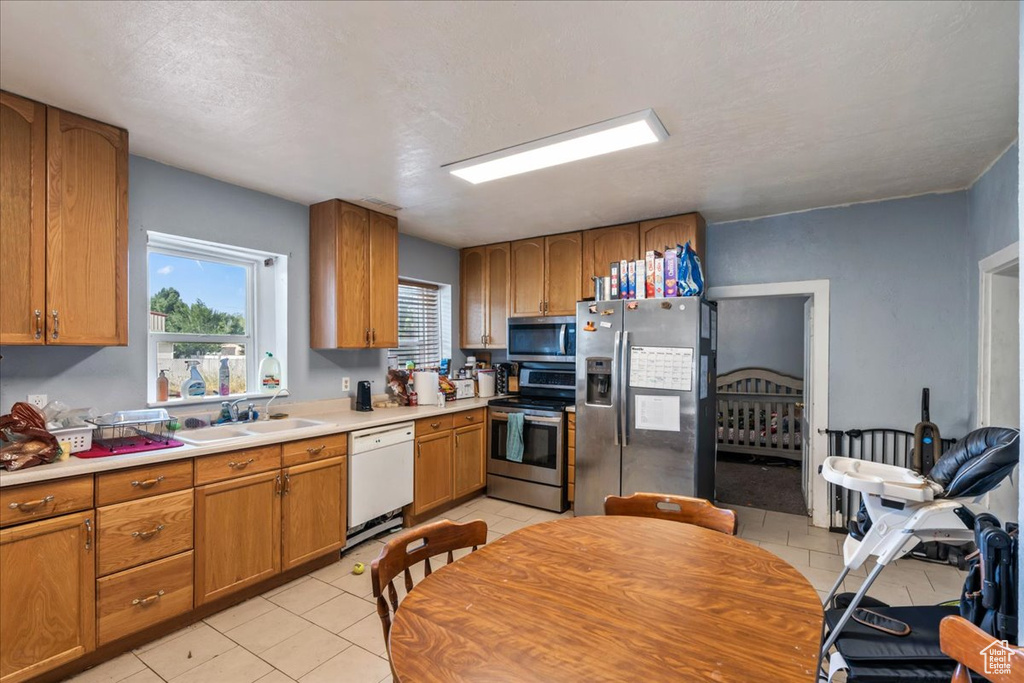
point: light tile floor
(324, 626)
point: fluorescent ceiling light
(623, 132)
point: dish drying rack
(133, 428)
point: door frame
(818, 292)
(988, 268)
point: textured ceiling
(771, 106)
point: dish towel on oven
(514, 440)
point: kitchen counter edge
(335, 422)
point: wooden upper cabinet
(87, 231)
(601, 246)
(48, 594)
(383, 281)
(527, 259)
(668, 232)
(484, 291)
(353, 277)
(498, 280)
(473, 296)
(22, 219)
(562, 265)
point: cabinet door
(383, 291)
(22, 219)
(473, 297)
(469, 461)
(48, 594)
(497, 295)
(562, 264)
(601, 246)
(668, 232)
(528, 277)
(86, 232)
(238, 534)
(313, 508)
(433, 471)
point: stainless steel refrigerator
(645, 399)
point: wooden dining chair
(968, 645)
(412, 547)
(674, 509)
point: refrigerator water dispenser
(599, 381)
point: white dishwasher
(380, 468)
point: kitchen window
(424, 324)
(209, 303)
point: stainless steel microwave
(550, 338)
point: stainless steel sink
(212, 434)
(273, 426)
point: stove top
(534, 402)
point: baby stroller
(902, 509)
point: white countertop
(336, 415)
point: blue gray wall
(761, 333)
(899, 309)
(991, 226)
(170, 200)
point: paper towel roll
(485, 379)
(426, 386)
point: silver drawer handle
(146, 535)
(147, 601)
(241, 465)
(148, 483)
(31, 505)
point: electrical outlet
(346, 384)
(38, 400)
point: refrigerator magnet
(589, 327)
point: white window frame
(266, 312)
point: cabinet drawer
(142, 482)
(431, 425)
(135, 599)
(311, 450)
(469, 417)
(140, 531)
(45, 499)
(213, 468)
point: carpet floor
(759, 482)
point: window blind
(419, 325)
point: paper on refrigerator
(661, 367)
(657, 413)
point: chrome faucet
(231, 408)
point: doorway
(814, 414)
(999, 360)
(761, 368)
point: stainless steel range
(539, 478)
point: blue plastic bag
(691, 278)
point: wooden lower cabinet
(313, 508)
(469, 460)
(47, 595)
(433, 471)
(237, 534)
(138, 598)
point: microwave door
(541, 339)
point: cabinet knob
(39, 324)
(316, 451)
(56, 325)
(435, 425)
(146, 535)
(88, 534)
(373, 335)
(367, 336)
(148, 483)
(240, 465)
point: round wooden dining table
(610, 599)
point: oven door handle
(528, 418)
(563, 338)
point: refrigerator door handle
(623, 384)
(615, 381)
(562, 338)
